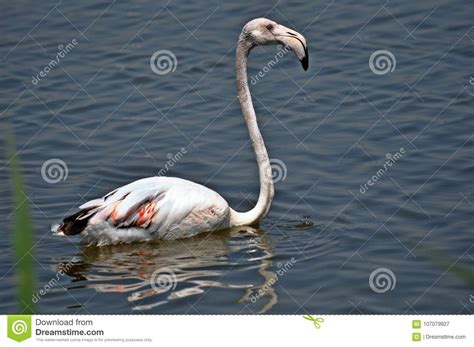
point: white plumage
(154, 207)
(171, 208)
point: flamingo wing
(169, 207)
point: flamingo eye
(270, 27)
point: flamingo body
(154, 207)
(170, 208)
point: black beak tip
(305, 60)
(304, 63)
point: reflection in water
(155, 273)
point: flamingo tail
(76, 223)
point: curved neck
(264, 169)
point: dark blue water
(330, 235)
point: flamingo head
(263, 31)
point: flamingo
(169, 208)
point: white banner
(214, 330)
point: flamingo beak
(295, 41)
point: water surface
(112, 120)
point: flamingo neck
(264, 170)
